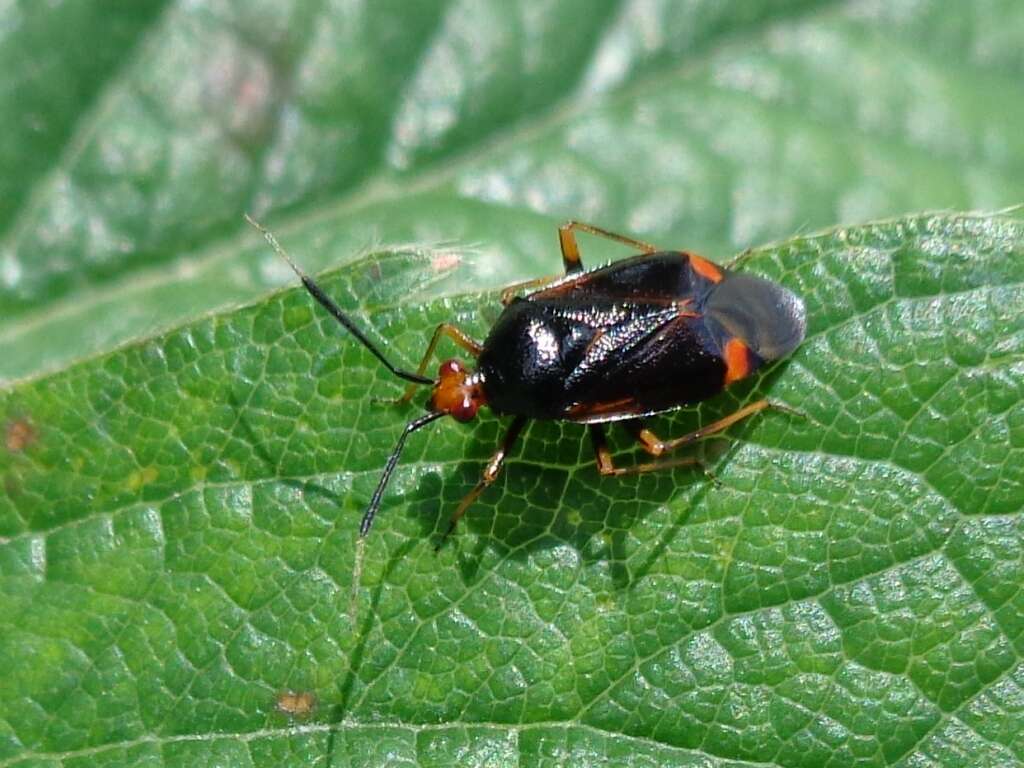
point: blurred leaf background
(136, 133)
(166, 570)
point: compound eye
(466, 410)
(448, 368)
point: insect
(641, 336)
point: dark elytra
(647, 332)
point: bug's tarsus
(737, 260)
(389, 468)
(448, 532)
(511, 292)
(708, 473)
(328, 303)
(775, 405)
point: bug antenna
(328, 303)
(276, 246)
(411, 427)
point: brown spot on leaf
(295, 703)
(19, 435)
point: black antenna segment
(327, 303)
(412, 426)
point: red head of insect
(457, 391)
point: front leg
(509, 293)
(490, 474)
(455, 334)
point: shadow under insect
(551, 494)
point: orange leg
(453, 333)
(606, 465)
(571, 250)
(655, 446)
(490, 474)
(510, 292)
(571, 259)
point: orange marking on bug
(737, 360)
(705, 268)
(588, 409)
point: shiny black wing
(620, 341)
(656, 359)
(654, 278)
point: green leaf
(141, 131)
(180, 519)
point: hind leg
(606, 464)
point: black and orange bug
(648, 334)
